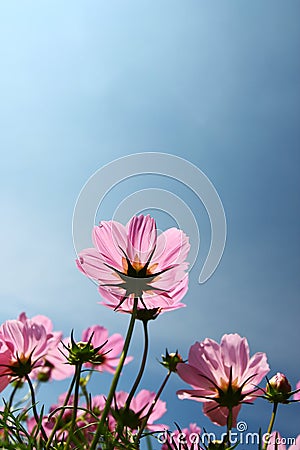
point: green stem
(11, 398)
(229, 427)
(27, 396)
(85, 391)
(149, 443)
(35, 413)
(116, 377)
(270, 427)
(58, 420)
(75, 405)
(145, 420)
(142, 367)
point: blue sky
(216, 83)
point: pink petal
(110, 239)
(99, 335)
(198, 395)
(141, 238)
(297, 395)
(296, 445)
(235, 351)
(45, 321)
(91, 263)
(115, 345)
(207, 357)
(257, 369)
(216, 414)
(219, 415)
(192, 376)
(172, 248)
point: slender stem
(27, 396)
(149, 443)
(58, 420)
(11, 398)
(142, 367)
(229, 427)
(116, 377)
(85, 391)
(35, 413)
(145, 420)
(75, 405)
(270, 427)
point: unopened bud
(170, 360)
(278, 389)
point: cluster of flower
(143, 274)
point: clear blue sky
(217, 83)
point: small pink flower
(186, 438)
(108, 356)
(132, 261)
(55, 364)
(222, 375)
(23, 347)
(138, 409)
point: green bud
(170, 360)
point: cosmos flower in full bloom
(223, 376)
(23, 347)
(132, 261)
(54, 365)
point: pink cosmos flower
(108, 356)
(55, 364)
(186, 438)
(23, 347)
(223, 376)
(276, 442)
(133, 262)
(139, 408)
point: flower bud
(83, 352)
(278, 389)
(170, 360)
